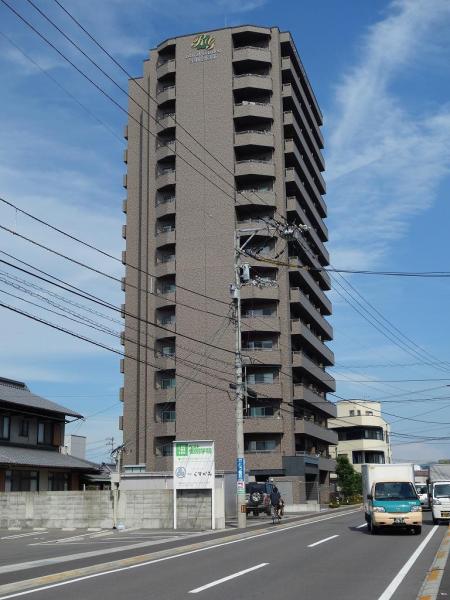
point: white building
(364, 436)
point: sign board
(240, 469)
(193, 469)
(204, 49)
(193, 465)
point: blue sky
(380, 72)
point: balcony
(260, 323)
(314, 397)
(253, 109)
(301, 361)
(302, 330)
(262, 461)
(252, 53)
(306, 427)
(165, 121)
(165, 266)
(165, 207)
(327, 464)
(318, 209)
(165, 94)
(256, 197)
(260, 357)
(165, 149)
(253, 292)
(253, 166)
(252, 80)
(164, 395)
(286, 65)
(163, 429)
(296, 265)
(293, 205)
(312, 285)
(293, 129)
(165, 177)
(165, 67)
(267, 390)
(263, 425)
(165, 234)
(296, 296)
(254, 137)
(291, 149)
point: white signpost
(193, 469)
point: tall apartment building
(224, 133)
(363, 434)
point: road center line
(361, 526)
(392, 587)
(233, 576)
(322, 541)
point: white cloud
(386, 161)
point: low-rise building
(363, 435)
(31, 440)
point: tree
(349, 480)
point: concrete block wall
(152, 509)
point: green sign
(184, 449)
(204, 41)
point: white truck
(390, 498)
(439, 489)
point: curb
(431, 585)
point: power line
(112, 99)
(65, 90)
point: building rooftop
(18, 394)
(11, 455)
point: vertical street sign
(240, 472)
(193, 469)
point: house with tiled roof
(32, 456)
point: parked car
(257, 497)
(422, 492)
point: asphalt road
(328, 556)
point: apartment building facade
(224, 134)
(363, 434)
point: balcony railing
(165, 259)
(164, 89)
(165, 229)
(165, 200)
(167, 321)
(257, 131)
(168, 289)
(251, 75)
(262, 48)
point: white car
(422, 492)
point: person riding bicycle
(275, 501)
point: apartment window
(259, 344)
(45, 433)
(261, 377)
(352, 413)
(5, 426)
(369, 413)
(263, 311)
(358, 457)
(58, 482)
(24, 428)
(261, 411)
(261, 445)
(21, 481)
(168, 416)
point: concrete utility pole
(242, 276)
(115, 482)
(240, 459)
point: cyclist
(275, 501)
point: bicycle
(276, 514)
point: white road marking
(7, 568)
(21, 535)
(91, 534)
(233, 576)
(322, 541)
(392, 587)
(361, 526)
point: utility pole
(115, 482)
(242, 276)
(240, 459)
